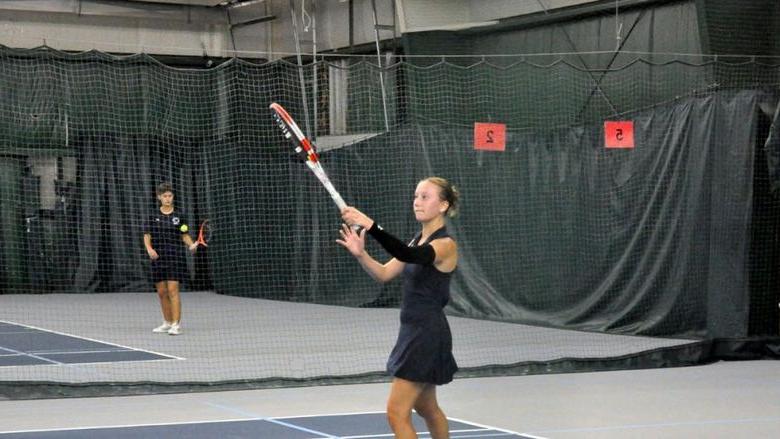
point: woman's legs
(165, 301)
(427, 407)
(170, 303)
(174, 300)
(403, 394)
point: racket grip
(338, 200)
(340, 203)
(334, 194)
(323, 178)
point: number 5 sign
(489, 136)
(619, 134)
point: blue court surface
(342, 426)
(22, 345)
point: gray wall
(194, 29)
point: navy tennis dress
(166, 231)
(423, 351)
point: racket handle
(336, 198)
(339, 202)
(323, 178)
(334, 194)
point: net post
(379, 63)
(301, 75)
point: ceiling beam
(120, 9)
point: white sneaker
(175, 329)
(162, 328)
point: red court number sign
(619, 134)
(489, 136)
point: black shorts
(170, 267)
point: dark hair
(164, 187)
(447, 192)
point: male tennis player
(422, 357)
(163, 235)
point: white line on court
(498, 429)
(485, 431)
(91, 339)
(94, 351)
(100, 427)
(78, 366)
(662, 424)
(471, 430)
(499, 434)
(324, 415)
(27, 354)
(272, 420)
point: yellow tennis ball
(184, 228)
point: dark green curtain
(554, 231)
(558, 231)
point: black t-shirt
(166, 232)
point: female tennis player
(422, 357)
(163, 235)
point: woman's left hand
(354, 217)
(354, 241)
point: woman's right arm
(148, 244)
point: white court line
(249, 416)
(503, 432)
(91, 363)
(499, 429)
(91, 339)
(329, 414)
(101, 427)
(472, 430)
(27, 354)
(101, 351)
(365, 436)
(272, 420)
(499, 434)
(662, 424)
(428, 434)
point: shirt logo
(175, 220)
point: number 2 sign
(489, 136)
